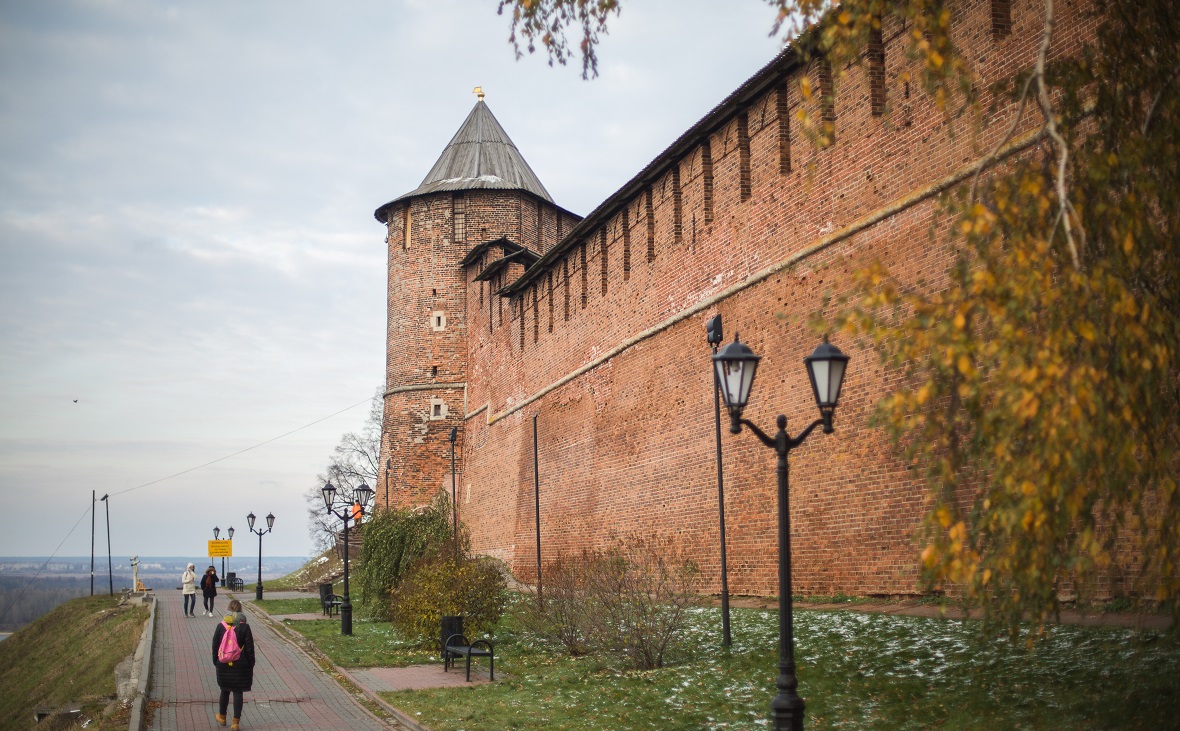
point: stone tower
(480, 204)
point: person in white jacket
(188, 581)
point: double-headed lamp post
(270, 524)
(216, 535)
(342, 506)
(736, 365)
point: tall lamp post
(341, 505)
(735, 365)
(270, 524)
(110, 569)
(93, 502)
(230, 534)
(714, 338)
(454, 497)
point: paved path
(290, 691)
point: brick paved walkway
(290, 692)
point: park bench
(458, 646)
(234, 582)
(455, 645)
(329, 602)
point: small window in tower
(434, 293)
(438, 409)
(434, 371)
(459, 217)
(438, 320)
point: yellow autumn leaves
(1029, 387)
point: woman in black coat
(238, 676)
(209, 589)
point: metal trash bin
(452, 625)
(328, 602)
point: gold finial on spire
(478, 91)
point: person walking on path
(234, 676)
(188, 586)
(209, 589)
(290, 691)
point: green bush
(449, 582)
(394, 540)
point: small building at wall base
(582, 340)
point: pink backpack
(230, 650)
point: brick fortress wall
(605, 344)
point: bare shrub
(562, 614)
(629, 600)
(643, 589)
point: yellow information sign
(221, 549)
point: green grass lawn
(302, 605)
(372, 644)
(856, 671)
(309, 603)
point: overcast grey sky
(187, 245)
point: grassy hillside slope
(67, 656)
(324, 567)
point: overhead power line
(242, 451)
(53, 555)
(29, 583)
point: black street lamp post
(454, 497)
(735, 365)
(343, 507)
(714, 337)
(110, 569)
(270, 524)
(93, 500)
(216, 535)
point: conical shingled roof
(480, 155)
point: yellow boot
(234, 727)
(220, 719)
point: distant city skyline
(190, 265)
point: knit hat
(229, 618)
